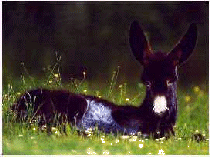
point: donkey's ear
(185, 47)
(138, 43)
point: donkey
(155, 117)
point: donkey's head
(160, 69)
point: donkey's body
(83, 111)
(157, 114)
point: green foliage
(26, 138)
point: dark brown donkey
(156, 116)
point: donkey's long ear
(185, 47)
(138, 43)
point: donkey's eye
(169, 82)
(147, 83)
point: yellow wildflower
(187, 98)
(53, 129)
(196, 131)
(18, 93)
(56, 75)
(196, 89)
(32, 137)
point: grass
(25, 139)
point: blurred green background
(93, 37)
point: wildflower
(141, 145)
(106, 152)
(57, 133)
(124, 137)
(91, 152)
(74, 151)
(32, 137)
(44, 127)
(53, 129)
(84, 73)
(134, 138)
(102, 139)
(188, 108)
(117, 140)
(161, 152)
(56, 75)
(196, 89)
(50, 81)
(89, 132)
(163, 138)
(127, 99)
(85, 91)
(187, 98)
(149, 153)
(196, 131)
(139, 133)
(33, 128)
(9, 86)
(131, 140)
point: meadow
(26, 139)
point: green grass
(22, 138)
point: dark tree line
(93, 37)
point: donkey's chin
(160, 105)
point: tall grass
(25, 138)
